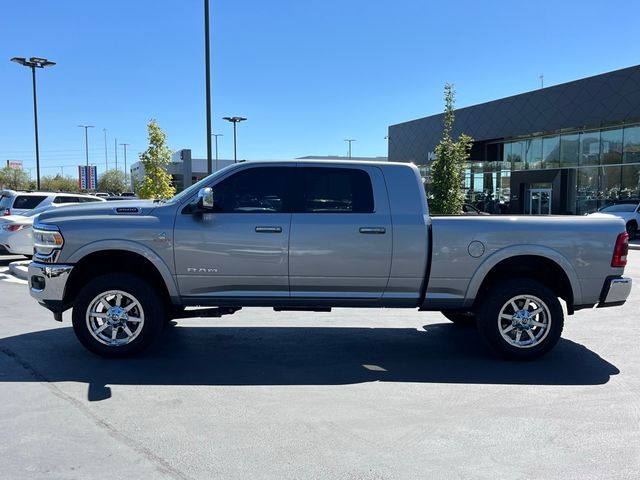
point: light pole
(207, 82)
(349, 140)
(234, 120)
(115, 149)
(33, 63)
(216, 135)
(125, 161)
(106, 161)
(86, 142)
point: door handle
(268, 229)
(373, 230)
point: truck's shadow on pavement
(442, 353)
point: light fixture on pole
(86, 142)
(349, 140)
(216, 135)
(234, 120)
(33, 63)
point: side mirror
(205, 198)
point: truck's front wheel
(117, 315)
(521, 319)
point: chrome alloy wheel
(524, 321)
(115, 318)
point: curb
(20, 269)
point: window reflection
(611, 147)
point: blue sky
(306, 74)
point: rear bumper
(615, 291)
(47, 284)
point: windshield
(621, 207)
(193, 189)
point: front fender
(133, 247)
(517, 251)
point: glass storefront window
(611, 147)
(590, 148)
(506, 152)
(631, 151)
(630, 182)
(551, 152)
(588, 190)
(569, 150)
(611, 183)
(533, 153)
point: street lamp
(234, 120)
(216, 135)
(86, 142)
(349, 140)
(125, 161)
(33, 63)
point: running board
(207, 312)
(301, 309)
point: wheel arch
(119, 260)
(542, 264)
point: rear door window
(27, 202)
(336, 190)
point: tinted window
(622, 207)
(336, 190)
(88, 199)
(257, 190)
(27, 202)
(65, 199)
(5, 202)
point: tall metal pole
(106, 161)
(35, 119)
(349, 140)
(115, 146)
(216, 135)
(125, 160)
(234, 120)
(208, 82)
(86, 142)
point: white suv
(17, 203)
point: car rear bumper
(47, 284)
(615, 292)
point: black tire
(632, 230)
(460, 317)
(148, 312)
(535, 339)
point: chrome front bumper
(615, 292)
(47, 283)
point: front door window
(538, 201)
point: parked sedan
(629, 212)
(15, 230)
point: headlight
(46, 239)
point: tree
(58, 183)
(113, 181)
(156, 182)
(447, 168)
(14, 178)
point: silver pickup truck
(309, 236)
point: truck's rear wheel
(521, 319)
(117, 315)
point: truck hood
(96, 209)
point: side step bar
(301, 309)
(207, 312)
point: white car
(629, 212)
(15, 230)
(17, 203)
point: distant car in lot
(468, 209)
(628, 211)
(15, 230)
(17, 203)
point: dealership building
(565, 149)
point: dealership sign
(17, 164)
(87, 177)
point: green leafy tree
(14, 178)
(156, 182)
(448, 167)
(59, 183)
(112, 181)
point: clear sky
(307, 74)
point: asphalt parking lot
(351, 394)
